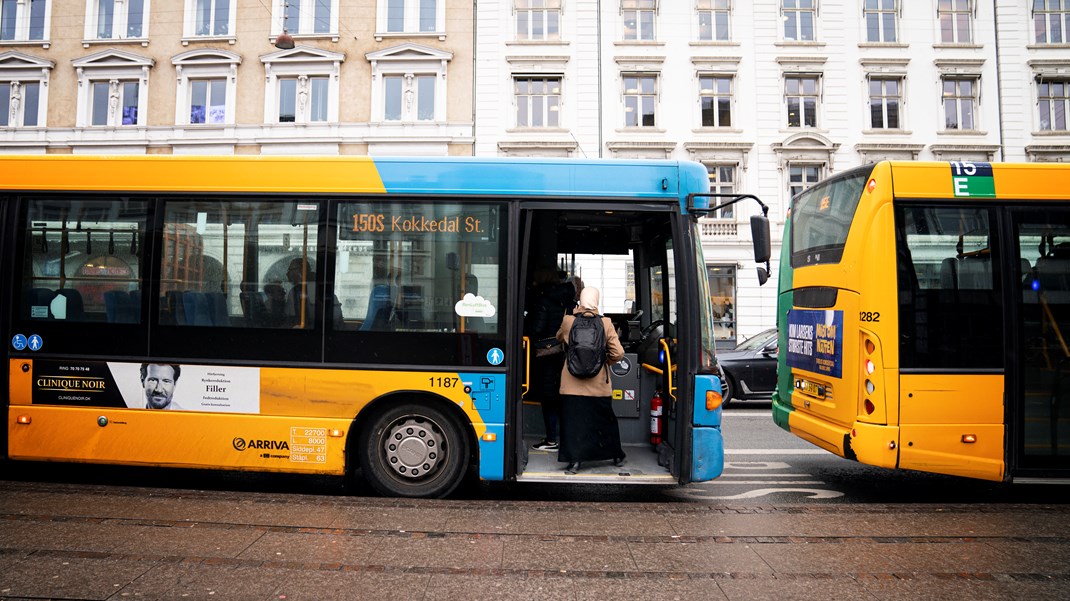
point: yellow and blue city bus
(340, 315)
(924, 316)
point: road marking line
(776, 452)
(750, 414)
(769, 482)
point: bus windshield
(822, 217)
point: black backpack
(586, 354)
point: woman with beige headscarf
(589, 429)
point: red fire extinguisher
(656, 418)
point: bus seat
(949, 274)
(1053, 272)
(75, 305)
(196, 308)
(119, 307)
(37, 297)
(217, 308)
(975, 273)
(254, 307)
(380, 306)
(135, 303)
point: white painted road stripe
(777, 452)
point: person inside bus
(549, 299)
(159, 381)
(589, 430)
(302, 275)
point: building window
(799, 19)
(303, 99)
(960, 103)
(801, 177)
(304, 90)
(881, 18)
(208, 101)
(409, 97)
(1051, 21)
(801, 94)
(210, 18)
(206, 87)
(713, 20)
(638, 19)
(20, 103)
(1054, 103)
(722, 294)
(885, 101)
(640, 100)
(306, 16)
(722, 181)
(956, 21)
(715, 95)
(114, 103)
(116, 19)
(538, 19)
(411, 16)
(24, 20)
(538, 101)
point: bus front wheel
(414, 450)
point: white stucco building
(771, 95)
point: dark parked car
(750, 368)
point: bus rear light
(870, 347)
(869, 407)
(870, 367)
(23, 419)
(969, 438)
(870, 387)
(713, 400)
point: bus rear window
(821, 218)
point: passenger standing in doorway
(549, 299)
(589, 430)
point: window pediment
(303, 54)
(959, 66)
(409, 52)
(196, 58)
(110, 59)
(18, 60)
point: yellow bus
(924, 316)
(341, 315)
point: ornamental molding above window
(302, 54)
(805, 147)
(641, 150)
(720, 64)
(871, 153)
(975, 152)
(538, 64)
(15, 63)
(404, 53)
(885, 66)
(1048, 153)
(735, 153)
(959, 66)
(640, 64)
(112, 59)
(1055, 68)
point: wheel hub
(413, 448)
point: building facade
(770, 95)
(210, 76)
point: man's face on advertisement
(159, 386)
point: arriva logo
(240, 444)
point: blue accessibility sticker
(19, 342)
(495, 356)
(35, 342)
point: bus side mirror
(759, 231)
(763, 275)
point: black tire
(414, 450)
(730, 391)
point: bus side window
(81, 255)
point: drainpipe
(601, 107)
(475, 67)
(999, 80)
